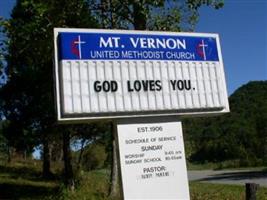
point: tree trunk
(265, 151)
(251, 190)
(81, 154)
(46, 158)
(114, 173)
(139, 17)
(9, 154)
(68, 171)
(25, 154)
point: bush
(94, 157)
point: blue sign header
(120, 46)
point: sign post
(133, 77)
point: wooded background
(28, 118)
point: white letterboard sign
(152, 161)
(115, 73)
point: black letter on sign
(158, 84)
(106, 86)
(97, 87)
(187, 84)
(137, 85)
(173, 84)
(114, 86)
(129, 86)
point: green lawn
(23, 182)
(208, 191)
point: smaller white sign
(152, 161)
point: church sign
(152, 161)
(104, 74)
(129, 75)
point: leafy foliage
(94, 157)
(162, 15)
(240, 135)
(27, 99)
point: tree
(94, 157)
(3, 144)
(239, 135)
(27, 97)
(87, 134)
(150, 14)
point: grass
(23, 181)
(93, 185)
(208, 191)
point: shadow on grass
(14, 191)
(21, 171)
(25, 181)
(25, 172)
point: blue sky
(242, 26)
(6, 7)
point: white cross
(79, 42)
(203, 45)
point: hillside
(239, 137)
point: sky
(6, 7)
(242, 27)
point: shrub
(94, 157)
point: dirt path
(238, 177)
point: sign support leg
(115, 190)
